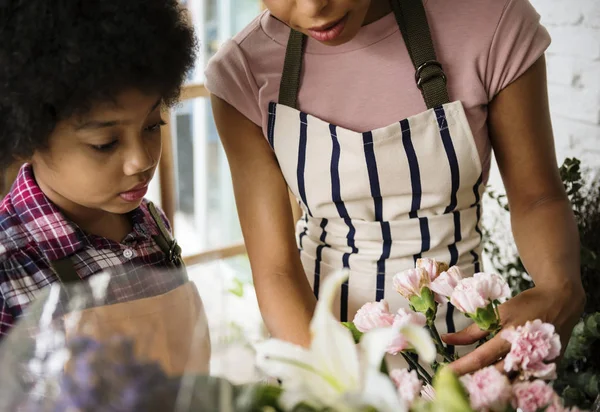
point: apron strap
(412, 21)
(430, 78)
(292, 66)
(65, 271)
(165, 242)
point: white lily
(334, 372)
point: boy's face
(103, 160)
(332, 22)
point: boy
(82, 85)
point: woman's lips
(328, 32)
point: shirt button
(128, 253)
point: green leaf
(593, 385)
(592, 325)
(356, 334)
(425, 303)
(486, 318)
(450, 395)
(573, 396)
(384, 367)
(302, 407)
(258, 397)
(421, 405)
(238, 288)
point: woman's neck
(377, 10)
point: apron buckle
(436, 73)
(174, 254)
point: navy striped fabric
(271, 126)
(317, 280)
(365, 182)
(302, 160)
(451, 153)
(417, 191)
(337, 197)
(378, 202)
(455, 182)
(477, 205)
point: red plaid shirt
(33, 232)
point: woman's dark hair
(57, 57)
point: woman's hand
(542, 219)
(560, 307)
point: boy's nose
(139, 159)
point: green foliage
(216, 394)
(450, 394)
(356, 334)
(238, 288)
(579, 371)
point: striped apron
(376, 201)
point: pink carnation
(404, 317)
(478, 292)
(430, 266)
(373, 315)
(410, 282)
(531, 346)
(489, 389)
(408, 384)
(534, 396)
(444, 284)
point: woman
(378, 192)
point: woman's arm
(284, 295)
(541, 215)
(542, 219)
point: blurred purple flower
(107, 377)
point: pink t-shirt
(368, 83)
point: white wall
(573, 61)
(573, 65)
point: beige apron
(374, 202)
(171, 329)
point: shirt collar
(56, 236)
(144, 226)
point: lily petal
(332, 344)
(290, 399)
(283, 360)
(420, 339)
(380, 393)
(298, 369)
(373, 345)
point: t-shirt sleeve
(519, 41)
(228, 76)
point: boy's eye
(105, 147)
(155, 127)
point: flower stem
(498, 326)
(423, 374)
(439, 344)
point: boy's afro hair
(57, 57)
